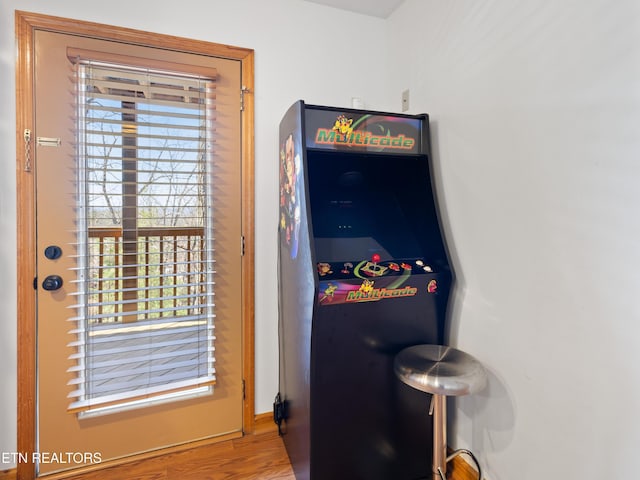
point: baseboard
(460, 469)
(263, 424)
(8, 474)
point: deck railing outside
(167, 270)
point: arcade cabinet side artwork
(296, 295)
(370, 277)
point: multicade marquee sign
(330, 137)
(374, 133)
(342, 133)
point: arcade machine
(363, 273)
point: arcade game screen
(363, 205)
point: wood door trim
(26, 238)
(248, 229)
(26, 24)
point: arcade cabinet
(363, 273)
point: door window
(145, 278)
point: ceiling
(375, 8)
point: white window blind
(145, 267)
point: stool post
(439, 408)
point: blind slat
(142, 289)
(140, 361)
(191, 114)
(103, 333)
(137, 265)
(161, 299)
(175, 376)
(158, 342)
(93, 156)
(187, 104)
(178, 123)
(107, 83)
(141, 393)
(147, 311)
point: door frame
(26, 24)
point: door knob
(52, 282)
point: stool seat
(440, 370)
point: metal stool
(442, 371)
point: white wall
(302, 51)
(535, 106)
(535, 109)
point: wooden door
(68, 439)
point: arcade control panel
(372, 280)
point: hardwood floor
(261, 456)
(252, 457)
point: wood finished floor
(252, 457)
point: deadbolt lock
(52, 282)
